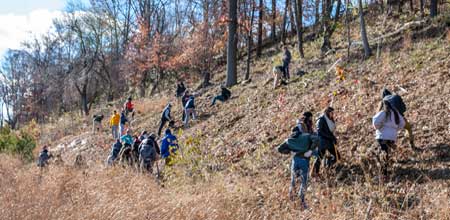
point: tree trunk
(326, 45)
(283, 27)
(84, 103)
(298, 9)
(206, 78)
(411, 5)
(316, 15)
(250, 42)
(232, 44)
(260, 28)
(433, 8)
(337, 12)
(273, 33)
(422, 12)
(292, 18)
(367, 51)
(347, 22)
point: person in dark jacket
(180, 89)
(225, 94)
(44, 156)
(165, 117)
(397, 103)
(97, 123)
(123, 122)
(115, 150)
(184, 100)
(148, 153)
(326, 125)
(190, 110)
(286, 61)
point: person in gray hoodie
(387, 123)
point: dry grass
(230, 168)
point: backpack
(148, 152)
(299, 144)
(395, 100)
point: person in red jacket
(129, 107)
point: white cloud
(15, 29)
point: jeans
(324, 146)
(189, 112)
(219, 97)
(122, 128)
(115, 132)
(299, 170)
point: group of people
(144, 149)
(304, 142)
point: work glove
(308, 153)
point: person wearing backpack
(148, 153)
(115, 150)
(397, 103)
(387, 122)
(97, 123)
(190, 110)
(169, 147)
(114, 124)
(278, 79)
(302, 144)
(44, 157)
(165, 117)
(123, 122)
(225, 94)
(326, 125)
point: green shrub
(21, 144)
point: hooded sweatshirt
(386, 127)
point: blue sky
(21, 19)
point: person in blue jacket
(115, 150)
(169, 147)
(123, 121)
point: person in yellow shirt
(114, 124)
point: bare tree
(232, 44)
(298, 8)
(250, 40)
(260, 28)
(367, 50)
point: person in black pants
(180, 89)
(225, 94)
(326, 125)
(184, 100)
(165, 118)
(286, 61)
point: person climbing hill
(225, 94)
(286, 61)
(326, 125)
(123, 122)
(278, 78)
(181, 88)
(129, 107)
(169, 147)
(165, 117)
(387, 122)
(115, 150)
(305, 124)
(184, 100)
(97, 123)
(397, 103)
(303, 145)
(44, 157)
(148, 153)
(190, 110)
(114, 124)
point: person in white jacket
(387, 123)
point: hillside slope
(230, 168)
